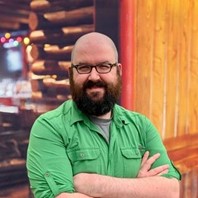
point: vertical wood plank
(172, 75)
(157, 74)
(193, 92)
(185, 37)
(144, 53)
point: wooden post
(127, 51)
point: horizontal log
(42, 67)
(65, 35)
(50, 82)
(11, 180)
(51, 52)
(18, 135)
(16, 172)
(45, 103)
(49, 6)
(14, 18)
(9, 25)
(16, 5)
(50, 86)
(61, 18)
(14, 10)
(13, 174)
(10, 177)
(181, 154)
(26, 2)
(181, 141)
(183, 151)
(51, 100)
(13, 164)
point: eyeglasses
(101, 68)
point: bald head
(93, 41)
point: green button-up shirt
(64, 142)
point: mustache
(90, 84)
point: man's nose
(94, 75)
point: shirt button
(81, 154)
(47, 174)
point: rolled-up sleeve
(48, 166)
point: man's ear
(120, 68)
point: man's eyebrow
(84, 63)
(81, 63)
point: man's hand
(146, 171)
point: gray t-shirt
(103, 124)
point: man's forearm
(72, 195)
(110, 187)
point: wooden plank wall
(166, 71)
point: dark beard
(96, 107)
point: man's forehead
(93, 43)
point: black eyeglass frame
(94, 66)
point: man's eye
(83, 68)
(104, 66)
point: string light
(19, 39)
(26, 40)
(7, 35)
(15, 43)
(3, 39)
(14, 38)
(11, 40)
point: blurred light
(8, 45)
(11, 40)
(3, 39)
(19, 39)
(26, 40)
(15, 43)
(7, 35)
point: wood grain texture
(167, 65)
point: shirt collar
(76, 114)
(118, 117)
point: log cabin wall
(166, 68)
(14, 15)
(55, 26)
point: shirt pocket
(131, 158)
(85, 160)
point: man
(92, 147)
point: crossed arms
(148, 184)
